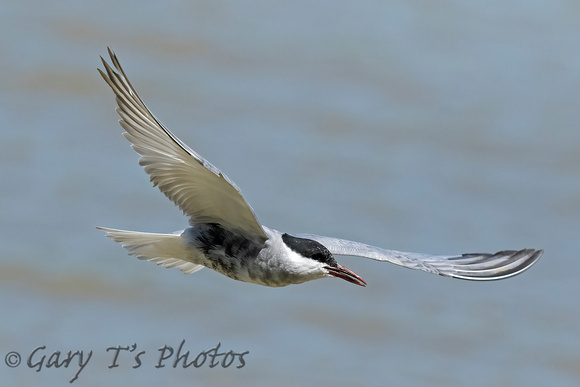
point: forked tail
(167, 250)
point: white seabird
(224, 233)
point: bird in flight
(224, 233)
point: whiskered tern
(224, 233)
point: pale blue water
(442, 127)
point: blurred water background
(429, 126)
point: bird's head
(312, 250)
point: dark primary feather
(502, 264)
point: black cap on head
(310, 249)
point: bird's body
(224, 233)
(271, 263)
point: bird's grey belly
(233, 255)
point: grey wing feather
(200, 189)
(477, 266)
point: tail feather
(167, 250)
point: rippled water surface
(442, 127)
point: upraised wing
(477, 266)
(200, 190)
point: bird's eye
(319, 257)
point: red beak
(345, 274)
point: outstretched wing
(200, 190)
(477, 266)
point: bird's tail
(167, 250)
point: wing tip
(518, 261)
